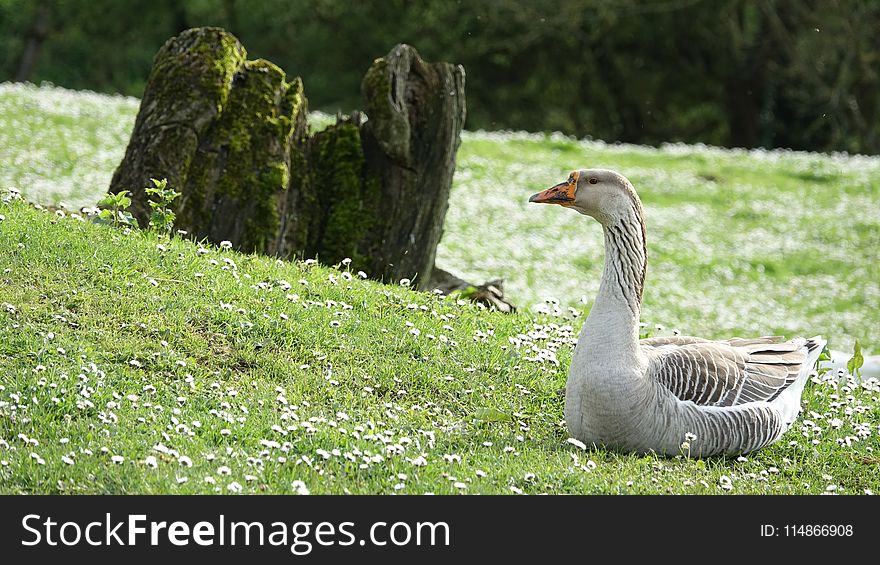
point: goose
(666, 395)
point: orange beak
(562, 193)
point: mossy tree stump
(377, 189)
(231, 135)
(220, 129)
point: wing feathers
(739, 342)
(759, 347)
(778, 357)
(672, 340)
(725, 373)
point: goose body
(667, 394)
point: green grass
(194, 364)
(115, 344)
(740, 242)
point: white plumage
(667, 394)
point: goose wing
(724, 373)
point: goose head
(605, 195)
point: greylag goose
(653, 395)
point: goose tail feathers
(789, 401)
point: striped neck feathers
(626, 257)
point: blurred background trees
(803, 74)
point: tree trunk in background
(36, 36)
(232, 136)
(743, 98)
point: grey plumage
(721, 373)
(747, 374)
(665, 394)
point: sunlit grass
(62, 146)
(740, 242)
(133, 364)
(130, 364)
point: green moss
(277, 174)
(350, 197)
(253, 135)
(197, 65)
(389, 125)
(292, 109)
(188, 88)
(252, 112)
(376, 86)
(224, 54)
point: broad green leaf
(491, 415)
(856, 361)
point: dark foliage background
(803, 74)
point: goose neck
(614, 317)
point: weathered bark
(377, 190)
(240, 172)
(416, 113)
(231, 135)
(185, 93)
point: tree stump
(416, 113)
(232, 136)
(219, 128)
(377, 189)
(185, 93)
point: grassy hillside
(133, 364)
(740, 242)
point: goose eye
(570, 179)
(593, 180)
